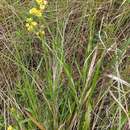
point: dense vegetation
(66, 68)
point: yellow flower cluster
(31, 24)
(41, 2)
(10, 127)
(36, 12)
(40, 33)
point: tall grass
(76, 77)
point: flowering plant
(31, 24)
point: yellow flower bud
(29, 20)
(33, 23)
(40, 33)
(45, 2)
(39, 2)
(12, 109)
(42, 7)
(30, 28)
(27, 25)
(10, 127)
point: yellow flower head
(30, 24)
(29, 20)
(41, 2)
(45, 2)
(36, 12)
(10, 127)
(30, 28)
(42, 7)
(40, 34)
(27, 25)
(33, 23)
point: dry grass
(77, 77)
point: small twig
(39, 125)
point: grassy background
(77, 77)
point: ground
(72, 72)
